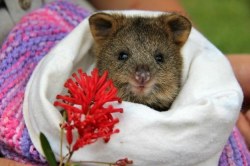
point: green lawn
(226, 23)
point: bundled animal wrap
(193, 132)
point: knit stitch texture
(29, 41)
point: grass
(226, 23)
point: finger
(247, 115)
(241, 67)
(7, 162)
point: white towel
(193, 132)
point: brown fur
(142, 39)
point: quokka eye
(123, 56)
(159, 58)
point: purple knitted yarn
(25, 46)
(235, 152)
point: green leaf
(47, 150)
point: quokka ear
(178, 25)
(102, 25)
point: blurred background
(226, 23)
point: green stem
(61, 140)
(70, 155)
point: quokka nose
(142, 74)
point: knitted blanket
(26, 45)
(28, 42)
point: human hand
(157, 5)
(8, 162)
(241, 67)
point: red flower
(85, 108)
(123, 162)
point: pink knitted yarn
(25, 46)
